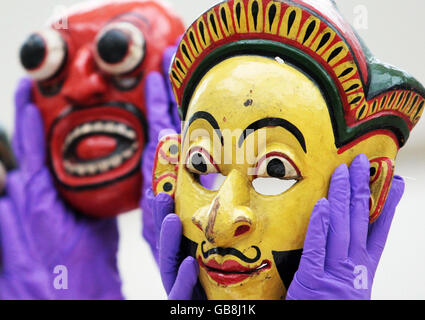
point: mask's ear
(381, 177)
(165, 165)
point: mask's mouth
(230, 271)
(95, 146)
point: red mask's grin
(95, 146)
(231, 272)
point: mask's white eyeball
(43, 54)
(277, 165)
(120, 48)
(275, 174)
(199, 161)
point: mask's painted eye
(200, 162)
(275, 174)
(43, 54)
(277, 165)
(120, 48)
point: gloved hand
(163, 119)
(40, 235)
(178, 277)
(341, 250)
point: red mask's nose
(85, 84)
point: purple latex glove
(163, 119)
(178, 277)
(22, 276)
(40, 235)
(341, 250)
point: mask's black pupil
(113, 46)
(33, 52)
(276, 168)
(198, 162)
(372, 171)
(167, 187)
(173, 149)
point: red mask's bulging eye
(43, 54)
(120, 48)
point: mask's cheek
(284, 219)
(189, 197)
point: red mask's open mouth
(98, 147)
(231, 271)
(94, 146)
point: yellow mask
(256, 118)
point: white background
(395, 33)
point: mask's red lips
(231, 271)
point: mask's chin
(105, 201)
(233, 280)
(257, 284)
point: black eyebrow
(209, 118)
(274, 122)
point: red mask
(89, 85)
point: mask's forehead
(94, 11)
(83, 22)
(242, 91)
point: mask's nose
(228, 218)
(85, 84)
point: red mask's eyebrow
(132, 17)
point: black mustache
(230, 251)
